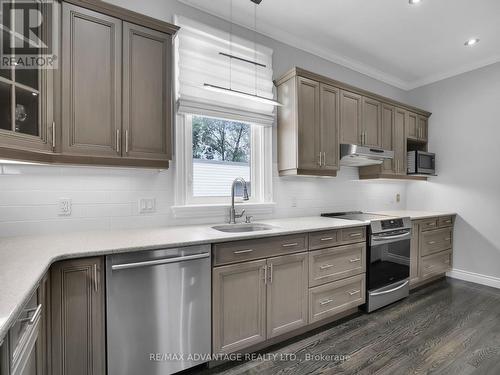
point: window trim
(261, 168)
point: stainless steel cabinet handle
(271, 273)
(354, 260)
(290, 244)
(390, 290)
(118, 141)
(326, 266)
(326, 239)
(53, 135)
(354, 292)
(246, 251)
(126, 141)
(265, 275)
(324, 159)
(447, 239)
(326, 301)
(117, 267)
(431, 242)
(31, 321)
(319, 163)
(96, 279)
(431, 224)
(355, 234)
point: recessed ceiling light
(471, 42)
(414, 2)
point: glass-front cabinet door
(25, 78)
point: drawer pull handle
(355, 234)
(354, 260)
(431, 242)
(326, 266)
(290, 244)
(448, 221)
(37, 310)
(243, 251)
(326, 302)
(326, 239)
(447, 239)
(354, 292)
(431, 224)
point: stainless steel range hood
(360, 156)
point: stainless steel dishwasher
(158, 310)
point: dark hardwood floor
(449, 327)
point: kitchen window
(219, 150)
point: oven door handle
(385, 238)
(390, 290)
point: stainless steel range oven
(388, 262)
(388, 257)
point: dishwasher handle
(117, 267)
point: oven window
(389, 263)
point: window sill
(220, 211)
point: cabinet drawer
(22, 329)
(351, 235)
(333, 298)
(321, 240)
(435, 241)
(240, 251)
(445, 221)
(336, 263)
(428, 224)
(435, 264)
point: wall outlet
(398, 197)
(147, 205)
(64, 207)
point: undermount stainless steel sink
(236, 228)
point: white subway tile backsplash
(108, 198)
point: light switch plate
(64, 207)
(147, 205)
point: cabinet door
(147, 99)
(91, 83)
(388, 113)
(412, 126)
(78, 325)
(371, 119)
(414, 254)
(399, 141)
(239, 306)
(309, 123)
(286, 294)
(26, 99)
(330, 112)
(350, 117)
(422, 125)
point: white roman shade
(199, 62)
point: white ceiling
(403, 45)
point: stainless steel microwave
(420, 162)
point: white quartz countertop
(24, 260)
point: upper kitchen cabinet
(371, 132)
(25, 102)
(91, 83)
(108, 103)
(307, 127)
(417, 127)
(147, 110)
(319, 114)
(351, 129)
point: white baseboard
(474, 277)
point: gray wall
(465, 133)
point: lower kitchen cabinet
(286, 294)
(78, 317)
(239, 305)
(431, 249)
(255, 301)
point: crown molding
(329, 55)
